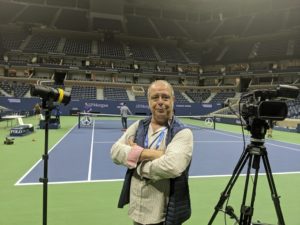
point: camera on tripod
(267, 104)
(260, 106)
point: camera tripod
(254, 153)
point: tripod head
(257, 128)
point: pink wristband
(133, 156)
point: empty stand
(169, 53)
(20, 90)
(6, 87)
(239, 51)
(142, 52)
(222, 96)
(118, 94)
(272, 49)
(77, 47)
(83, 92)
(198, 96)
(179, 98)
(43, 43)
(12, 39)
(111, 49)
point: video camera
(268, 104)
(265, 104)
(47, 93)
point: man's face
(161, 102)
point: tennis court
(88, 183)
(83, 155)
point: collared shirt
(150, 184)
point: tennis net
(113, 121)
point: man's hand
(150, 154)
(131, 143)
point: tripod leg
(274, 194)
(247, 211)
(226, 193)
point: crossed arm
(128, 153)
(145, 154)
(154, 164)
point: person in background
(37, 110)
(157, 152)
(57, 113)
(87, 108)
(124, 111)
(270, 130)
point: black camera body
(266, 110)
(269, 104)
(265, 104)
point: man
(57, 113)
(157, 152)
(270, 130)
(37, 112)
(124, 111)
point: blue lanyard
(159, 139)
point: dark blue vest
(179, 206)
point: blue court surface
(83, 155)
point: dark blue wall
(107, 107)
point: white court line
(110, 142)
(242, 174)
(91, 153)
(218, 141)
(230, 135)
(266, 142)
(18, 182)
(280, 146)
(117, 180)
(104, 142)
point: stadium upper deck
(249, 44)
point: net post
(214, 121)
(79, 114)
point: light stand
(49, 96)
(47, 106)
(254, 152)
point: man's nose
(160, 100)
